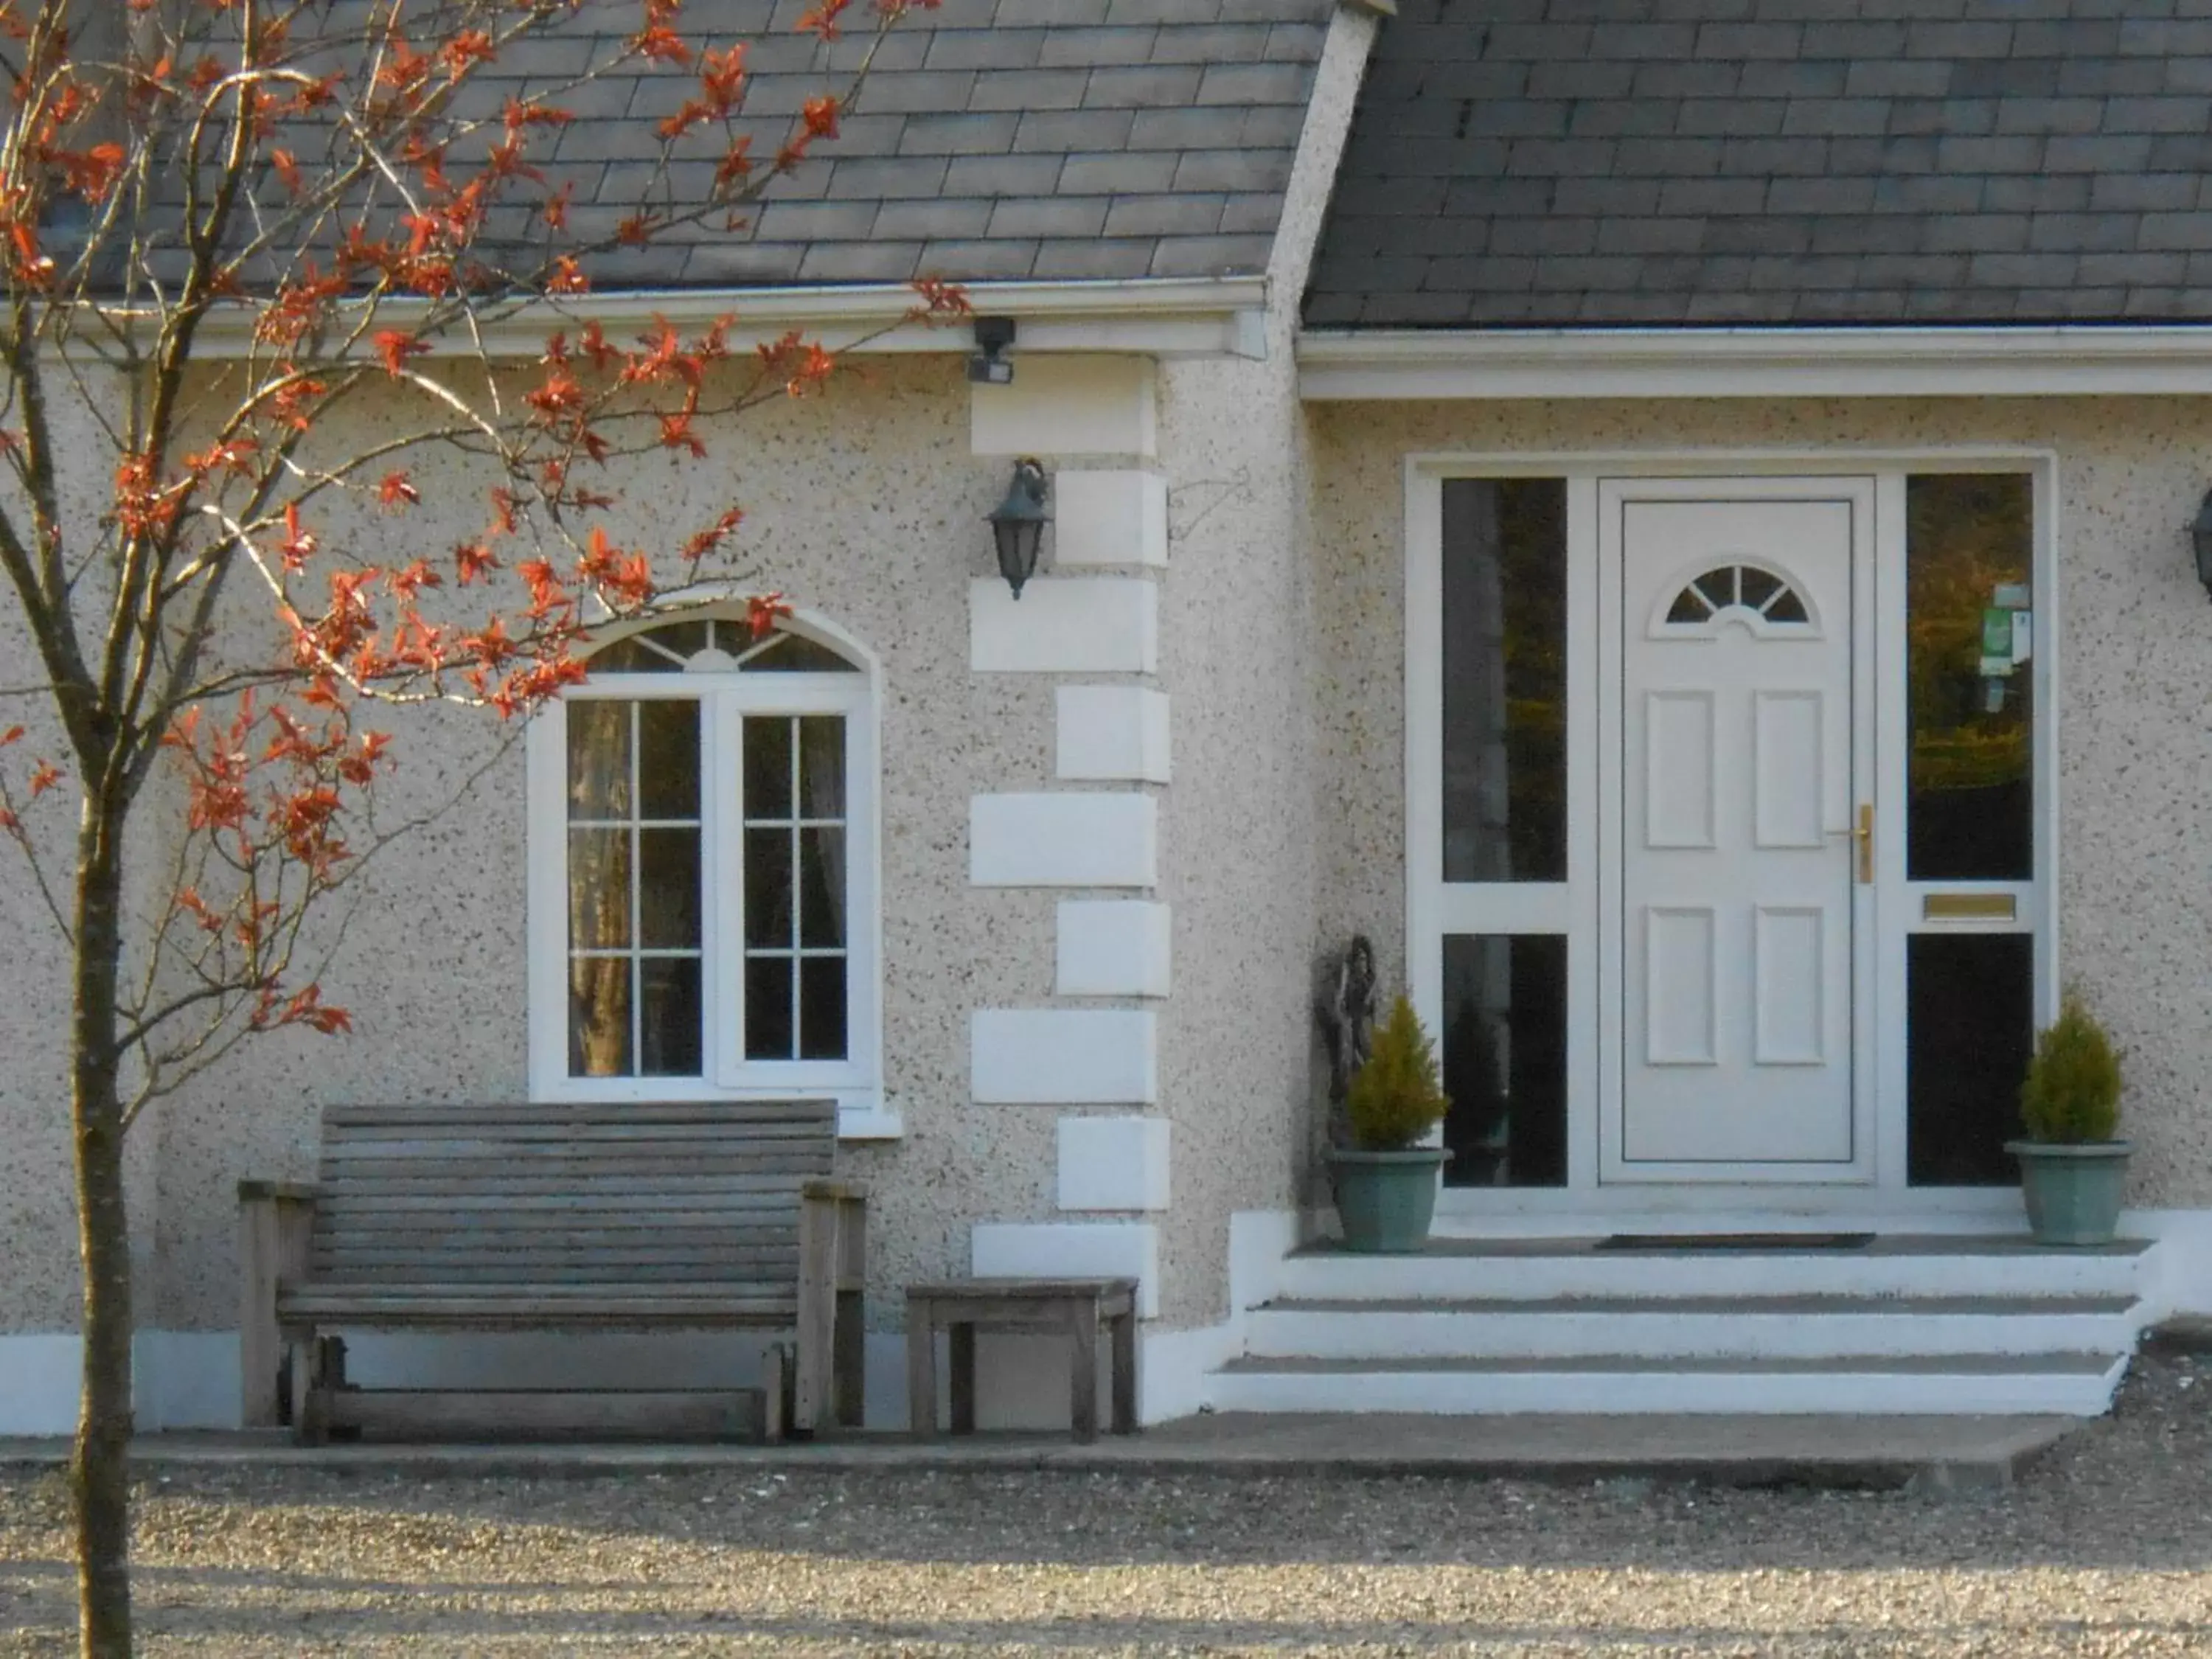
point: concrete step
(2071, 1385)
(1547, 1269)
(1777, 1326)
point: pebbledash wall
(2135, 734)
(1099, 879)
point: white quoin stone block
(1113, 1163)
(1109, 518)
(1065, 840)
(1117, 731)
(1072, 406)
(1070, 1249)
(1113, 948)
(1063, 1057)
(1065, 625)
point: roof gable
(1640, 162)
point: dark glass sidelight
(1503, 1049)
(1504, 679)
(1971, 1029)
(1969, 551)
(797, 999)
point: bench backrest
(705, 1193)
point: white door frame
(1613, 495)
(1572, 909)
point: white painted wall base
(38, 1384)
(188, 1379)
(185, 1380)
(1022, 1380)
(2180, 1281)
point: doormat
(1736, 1241)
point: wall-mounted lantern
(1018, 524)
(2201, 533)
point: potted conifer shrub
(2073, 1168)
(1386, 1180)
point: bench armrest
(275, 1222)
(833, 1274)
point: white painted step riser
(1696, 1214)
(1540, 1279)
(1369, 1334)
(1448, 1394)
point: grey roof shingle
(994, 138)
(1641, 162)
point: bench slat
(705, 1266)
(529, 1178)
(713, 1111)
(619, 1304)
(551, 1268)
(579, 1132)
(747, 1205)
(718, 1259)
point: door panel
(1736, 798)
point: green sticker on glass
(1997, 632)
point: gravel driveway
(2105, 1548)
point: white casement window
(704, 909)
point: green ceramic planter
(1386, 1200)
(2073, 1193)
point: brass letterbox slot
(1970, 907)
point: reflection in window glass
(1970, 811)
(1971, 1029)
(635, 939)
(1504, 1053)
(1504, 679)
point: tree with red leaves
(224, 224)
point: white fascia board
(1870, 362)
(1164, 317)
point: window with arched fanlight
(703, 841)
(1763, 598)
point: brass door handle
(1862, 836)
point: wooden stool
(1077, 1306)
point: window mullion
(727, 864)
(637, 894)
(797, 885)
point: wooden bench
(1076, 1306)
(695, 1216)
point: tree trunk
(100, 1474)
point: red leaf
(43, 777)
(395, 346)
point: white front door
(1734, 927)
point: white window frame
(726, 698)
